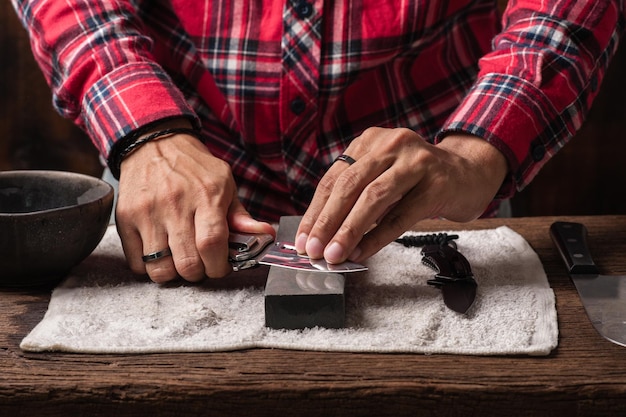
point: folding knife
(454, 276)
(248, 250)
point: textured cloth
(280, 87)
(102, 308)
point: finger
(162, 269)
(410, 209)
(136, 223)
(185, 255)
(212, 242)
(340, 189)
(345, 162)
(132, 247)
(241, 221)
(347, 190)
(376, 200)
(311, 216)
(395, 169)
(141, 240)
(352, 162)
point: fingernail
(314, 248)
(334, 253)
(301, 242)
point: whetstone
(302, 299)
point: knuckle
(307, 221)
(221, 166)
(350, 232)
(370, 132)
(161, 274)
(347, 182)
(124, 213)
(210, 242)
(211, 193)
(376, 191)
(190, 267)
(210, 188)
(348, 188)
(212, 245)
(326, 222)
(325, 186)
(127, 212)
(400, 136)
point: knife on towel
(248, 250)
(603, 296)
(454, 276)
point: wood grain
(585, 375)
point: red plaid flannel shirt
(280, 88)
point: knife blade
(603, 296)
(248, 250)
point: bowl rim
(67, 174)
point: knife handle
(571, 241)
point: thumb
(240, 220)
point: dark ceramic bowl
(49, 222)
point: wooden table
(585, 375)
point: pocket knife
(454, 276)
(247, 250)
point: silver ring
(345, 158)
(151, 257)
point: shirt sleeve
(536, 86)
(99, 64)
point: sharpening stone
(300, 299)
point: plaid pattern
(280, 88)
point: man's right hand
(174, 193)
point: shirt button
(537, 153)
(304, 9)
(297, 106)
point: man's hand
(398, 179)
(174, 193)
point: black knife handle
(571, 241)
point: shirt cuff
(514, 116)
(129, 98)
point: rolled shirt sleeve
(536, 86)
(99, 63)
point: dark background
(587, 177)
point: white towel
(103, 308)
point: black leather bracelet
(134, 141)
